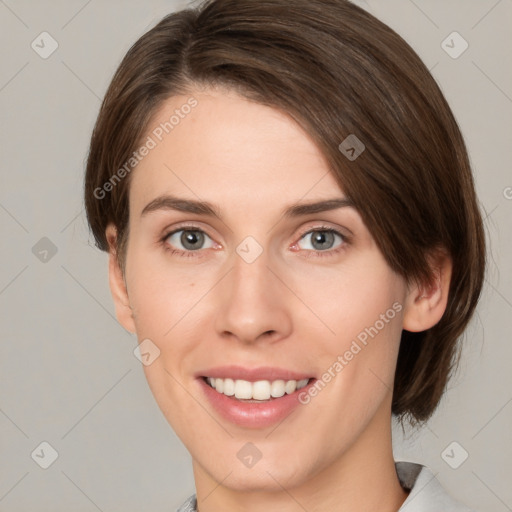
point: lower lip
(253, 414)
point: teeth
(277, 388)
(243, 389)
(259, 390)
(229, 387)
(290, 386)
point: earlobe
(117, 283)
(426, 304)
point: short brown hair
(336, 70)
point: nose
(253, 304)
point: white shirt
(426, 493)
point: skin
(212, 308)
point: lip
(253, 414)
(252, 374)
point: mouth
(254, 397)
(255, 392)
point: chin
(265, 476)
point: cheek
(162, 294)
(360, 307)
(351, 298)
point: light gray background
(67, 369)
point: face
(257, 296)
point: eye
(321, 240)
(189, 240)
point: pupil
(191, 239)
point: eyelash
(312, 253)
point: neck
(363, 478)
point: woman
(294, 237)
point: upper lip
(252, 374)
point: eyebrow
(168, 202)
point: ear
(117, 283)
(426, 304)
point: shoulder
(426, 493)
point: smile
(254, 397)
(261, 390)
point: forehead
(219, 145)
